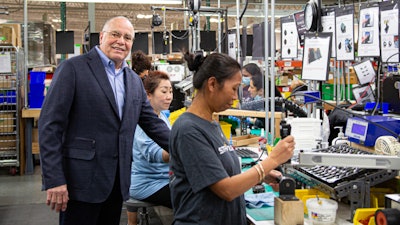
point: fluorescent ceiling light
(143, 16)
(215, 20)
(161, 2)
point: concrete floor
(23, 203)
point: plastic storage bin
(364, 216)
(226, 129)
(35, 101)
(37, 77)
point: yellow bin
(226, 129)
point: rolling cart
(11, 70)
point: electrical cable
(378, 82)
(244, 10)
(183, 37)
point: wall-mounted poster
(289, 38)
(316, 55)
(389, 24)
(368, 30)
(365, 72)
(345, 33)
(328, 25)
(301, 27)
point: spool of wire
(387, 217)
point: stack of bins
(36, 87)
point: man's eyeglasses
(118, 35)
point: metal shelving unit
(11, 70)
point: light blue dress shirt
(116, 78)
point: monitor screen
(64, 42)
(259, 41)
(358, 129)
(141, 42)
(93, 40)
(180, 40)
(249, 45)
(160, 44)
(208, 41)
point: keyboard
(245, 152)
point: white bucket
(321, 211)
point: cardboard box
(7, 124)
(35, 148)
(7, 142)
(35, 134)
(7, 83)
(11, 33)
(245, 140)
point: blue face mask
(246, 81)
(257, 97)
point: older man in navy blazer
(86, 129)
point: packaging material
(322, 211)
(7, 122)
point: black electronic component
(391, 93)
(258, 188)
(244, 152)
(285, 129)
(287, 187)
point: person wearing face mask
(247, 72)
(257, 101)
(86, 128)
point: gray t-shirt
(200, 157)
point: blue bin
(37, 77)
(11, 97)
(35, 101)
(36, 89)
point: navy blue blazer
(83, 142)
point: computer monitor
(141, 42)
(208, 41)
(180, 40)
(94, 40)
(161, 46)
(249, 44)
(258, 47)
(64, 42)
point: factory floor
(23, 203)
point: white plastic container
(321, 211)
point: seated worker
(141, 64)
(247, 72)
(150, 169)
(258, 100)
